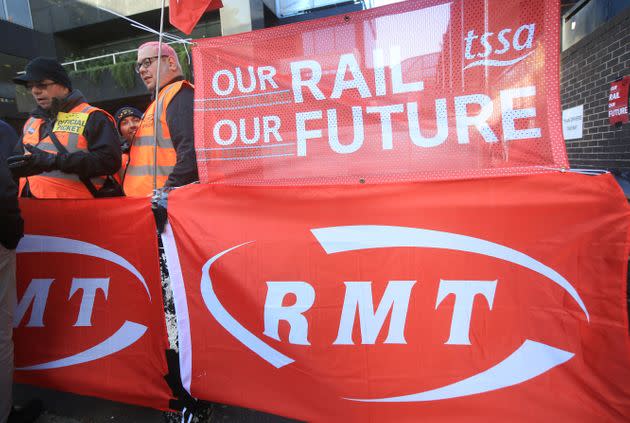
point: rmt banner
(413, 91)
(496, 299)
(89, 317)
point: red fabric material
(366, 118)
(576, 226)
(184, 14)
(122, 234)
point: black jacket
(103, 156)
(179, 118)
(11, 223)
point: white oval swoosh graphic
(491, 62)
(225, 319)
(54, 244)
(531, 359)
(360, 237)
(126, 335)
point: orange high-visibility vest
(58, 184)
(138, 180)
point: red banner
(417, 90)
(89, 316)
(486, 300)
(618, 101)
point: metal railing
(112, 55)
(73, 63)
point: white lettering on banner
(243, 131)
(333, 136)
(359, 300)
(230, 82)
(224, 81)
(398, 86)
(512, 370)
(386, 121)
(463, 120)
(252, 80)
(216, 132)
(464, 292)
(487, 51)
(275, 311)
(90, 287)
(271, 126)
(480, 121)
(308, 86)
(302, 133)
(347, 62)
(510, 114)
(311, 83)
(36, 294)
(415, 132)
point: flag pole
(156, 113)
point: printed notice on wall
(572, 120)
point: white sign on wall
(572, 120)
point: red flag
(99, 302)
(339, 304)
(184, 14)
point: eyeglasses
(146, 63)
(39, 85)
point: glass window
(586, 16)
(18, 12)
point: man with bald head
(173, 109)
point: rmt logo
(63, 290)
(490, 49)
(359, 308)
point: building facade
(596, 52)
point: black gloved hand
(19, 165)
(41, 160)
(159, 203)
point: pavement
(63, 407)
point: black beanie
(125, 111)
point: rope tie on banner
(591, 172)
(183, 400)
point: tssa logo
(36, 297)
(530, 359)
(485, 50)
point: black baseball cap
(41, 68)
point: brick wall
(587, 69)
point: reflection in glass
(18, 12)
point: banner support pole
(156, 118)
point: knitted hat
(125, 111)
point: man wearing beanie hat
(68, 147)
(127, 121)
(173, 109)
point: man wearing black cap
(68, 147)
